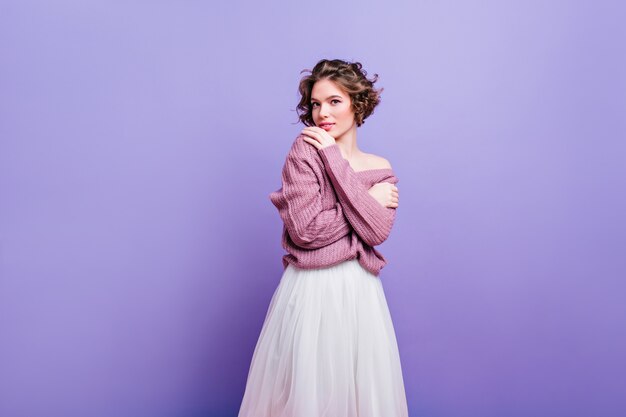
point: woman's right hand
(385, 193)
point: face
(331, 108)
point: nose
(323, 110)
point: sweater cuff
(332, 154)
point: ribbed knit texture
(328, 214)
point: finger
(312, 142)
(311, 135)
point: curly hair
(349, 77)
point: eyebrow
(334, 95)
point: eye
(332, 101)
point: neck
(347, 143)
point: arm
(371, 220)
(299, 203)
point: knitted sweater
(328, 214)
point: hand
(318, 137)
(385, 193)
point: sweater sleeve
(371, 220)
(299, 203)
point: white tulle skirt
(327, 348)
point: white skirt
(327, 348)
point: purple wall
(139, 142)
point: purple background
(139, 250)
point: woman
(327, 347)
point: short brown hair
(351, 78)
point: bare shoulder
(377, 162)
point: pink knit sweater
(328, 214)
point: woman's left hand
(318, 137)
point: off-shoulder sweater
(328, 214)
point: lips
(326, 125)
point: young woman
(327, 347)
